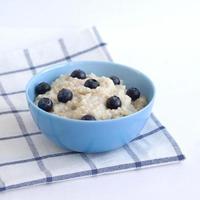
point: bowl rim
(60, 65)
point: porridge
(88, 97)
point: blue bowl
(92, 136)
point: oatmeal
(88, 97)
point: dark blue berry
(78, 74)
(91, 83)
(134, 93)
(42, 88)
(113, 102)
(45, 104)
(64, 95)
(88, 117)
(115, 80)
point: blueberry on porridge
(115, 80)
(88, 97)
(78, 74)
(88, 117)
(91, 83)
(45, 104)
(42, 88)
(113, 102)
(64, 95)
(134, 93)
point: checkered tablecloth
(27, 157)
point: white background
(162, 39)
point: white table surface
(162, 39)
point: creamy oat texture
(91, 101)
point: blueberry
(42, 88)
(64, 95)
(134, 93)
(115, 80)
(88, 117)
(78, 74)
(113, 102)
(45, 104)
(91, 83)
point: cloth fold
(27, 157)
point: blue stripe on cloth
(99, 39)
(2, 185)
(24, 184)
(170, 138)
(13, 111)
(133, 165)
(64, 49)
(29, 61)
(72, 175)
(28, 139)
(149, 133)
(115, 168)
(90, 163)
(133, 156)
(12, 93)
(56, 61)
(37, 158)
(20, 136)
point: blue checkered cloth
(27, 157)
